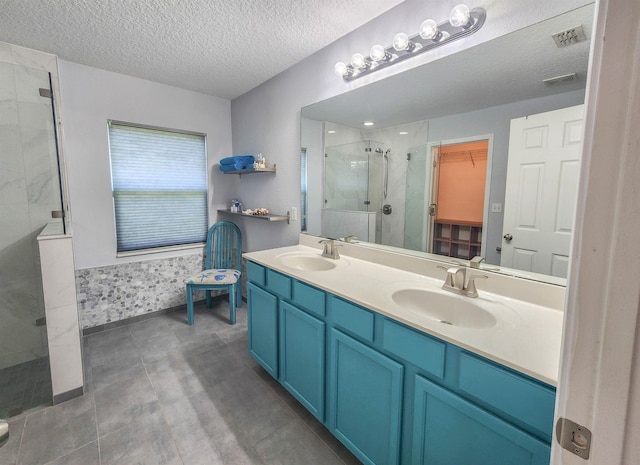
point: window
(303, 190)
(159, 186)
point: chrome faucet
(475, 261)
(457, 281)
(330, 249)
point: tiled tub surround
(527, 337)
(113, 293)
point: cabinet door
(365, 401)
(449, 430)
(302, 357)
(262, 310)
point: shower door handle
(57, 214)
(433, 209)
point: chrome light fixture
(462, 22)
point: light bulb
(358, 61)
(378, 53)
(401, 41)
(341, 69)
(429, 30)
(460, 16)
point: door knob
(507, 237)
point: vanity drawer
(309, 298)
(520, 397)
(423, 351)
(279, 283)
(255, 273)
(353, 318)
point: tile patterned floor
(25, 386)
(162, 392)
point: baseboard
(65, 396)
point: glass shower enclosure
(353, 174)
(29, 191)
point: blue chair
(223, 263)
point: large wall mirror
(473, 155)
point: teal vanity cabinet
(449, 430)
(286, 334)
(390, 393)
(263, 328)
(365, 387)
(302, 348)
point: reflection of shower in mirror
(385, 189)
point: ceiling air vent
(554, 81)
(569, 37)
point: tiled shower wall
(112, 293)
(29, 190)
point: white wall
(267, 119)
(92, 96)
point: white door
(541, 190)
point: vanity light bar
(463, 22)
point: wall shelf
(268, 217)
(251, 171)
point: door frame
(429, 220)
(599, 373)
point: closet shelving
(459, 239)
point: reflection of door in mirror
(541, 190)
(459, 180)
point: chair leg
(239, 294)
(208, 296)
(232, 304)
(189, 305)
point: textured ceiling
(217, 47)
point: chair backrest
(224, 246)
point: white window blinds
(159, 185)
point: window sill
(157, 250)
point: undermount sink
(447, 309)
(306, 262)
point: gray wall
(267, 119)
(112, 288)
(90, 97)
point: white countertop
(527, 336)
